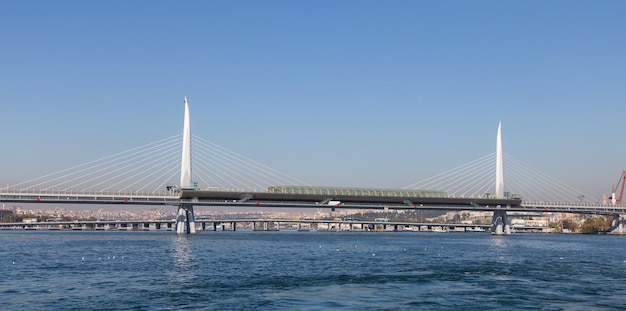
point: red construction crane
(622, 181)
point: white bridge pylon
(185, 221)
(500, 223)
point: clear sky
(339, 93)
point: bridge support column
(185, 221)
(619, 224)
(500, 224)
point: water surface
(103, 270)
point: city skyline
(357, 94)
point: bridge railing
(551, 203)
(576, 206)
(74, 193)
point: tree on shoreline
(596, 224)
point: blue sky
(339, 93)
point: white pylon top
(185, 163)
(499, 167)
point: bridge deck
(282, 200)
(264, 197)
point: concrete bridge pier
(618, 226)
(500, 224)
(259, 226)
(264, 226)
(185, 221)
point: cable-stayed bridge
(160, 173)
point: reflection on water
(499, 241)
(182, 257)
(182, 250)
(500, 250)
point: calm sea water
(310, 271)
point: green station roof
(358, 191)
